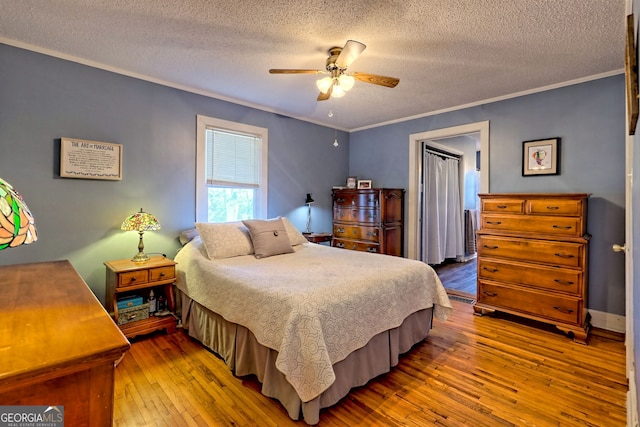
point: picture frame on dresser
(541, 157)
(352, 181)
(364, 184)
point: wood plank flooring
(470, 371)
(458, 277)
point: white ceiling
(446, 53)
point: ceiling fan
(338, 82)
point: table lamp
(308, 202)
(140, 222)
(16, 222)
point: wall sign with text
(90, 159)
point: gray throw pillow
(269, 237)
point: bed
(310, 321)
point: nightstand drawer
(161, 273)
(131, 278)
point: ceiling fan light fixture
(324, 84)
(346, 82)
(338, 90)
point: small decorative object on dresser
(369, 220)
(126, 278)
(351, 181)
(532, 259)
(364, 183)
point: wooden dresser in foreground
(533, 259)
(370, 220)
(58, 345)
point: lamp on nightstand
(16, 222)
(140, 222)
(308, 202)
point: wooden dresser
(58, 345)
(533, 259)
(370, 220)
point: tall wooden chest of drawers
(370, 220)
(533, 259)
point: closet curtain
(442, 235)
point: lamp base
(140, 257)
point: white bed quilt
(313, 306)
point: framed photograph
(90, 159)
(364, 184)
(541, 157)
(631, 76)
(351, 181)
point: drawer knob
(373, 250)
(133, 279)
(563, 227)
(490, 294)
(490, 247)
(494, 222)
(490, 270)
(501, 206)
(563, 255)
(553, 208)
(339, 245)
(563, 282)
(162, 274)
(340, 230)
(563, 310)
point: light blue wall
(589, 119)
(43, 99)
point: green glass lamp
(140, 222)
(16, 221)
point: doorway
(459, 277)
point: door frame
(415, 172)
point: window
(231, 171)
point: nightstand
(317, 237)
(127, 278)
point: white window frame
(202, 124)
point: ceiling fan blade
(351, 50)
(323, 96)
(287, 71)
(375, 79)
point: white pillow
(269, 237)
(225, 239)
(295, 236)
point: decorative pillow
(225, 239)
(295, 236)
(187, 235)
(269, 237)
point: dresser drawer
(550, 225)
(532, 275)
(360, 199)
(555, 207)
(133, 278)
(565, 254)
(356, 232)
(550, 306)
(356, 245)
(355, 215)
(161, 273)
(503, 205)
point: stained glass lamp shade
(140, 222)
(16, 222)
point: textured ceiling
(446, 53)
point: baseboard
(608, 321)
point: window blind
(233, 159)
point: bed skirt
(242, 353)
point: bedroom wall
(588, 117)
(45, 98)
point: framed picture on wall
(541, 157)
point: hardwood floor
(458, 277)
(470, 371)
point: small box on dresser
(533, 259)
(369, 220)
